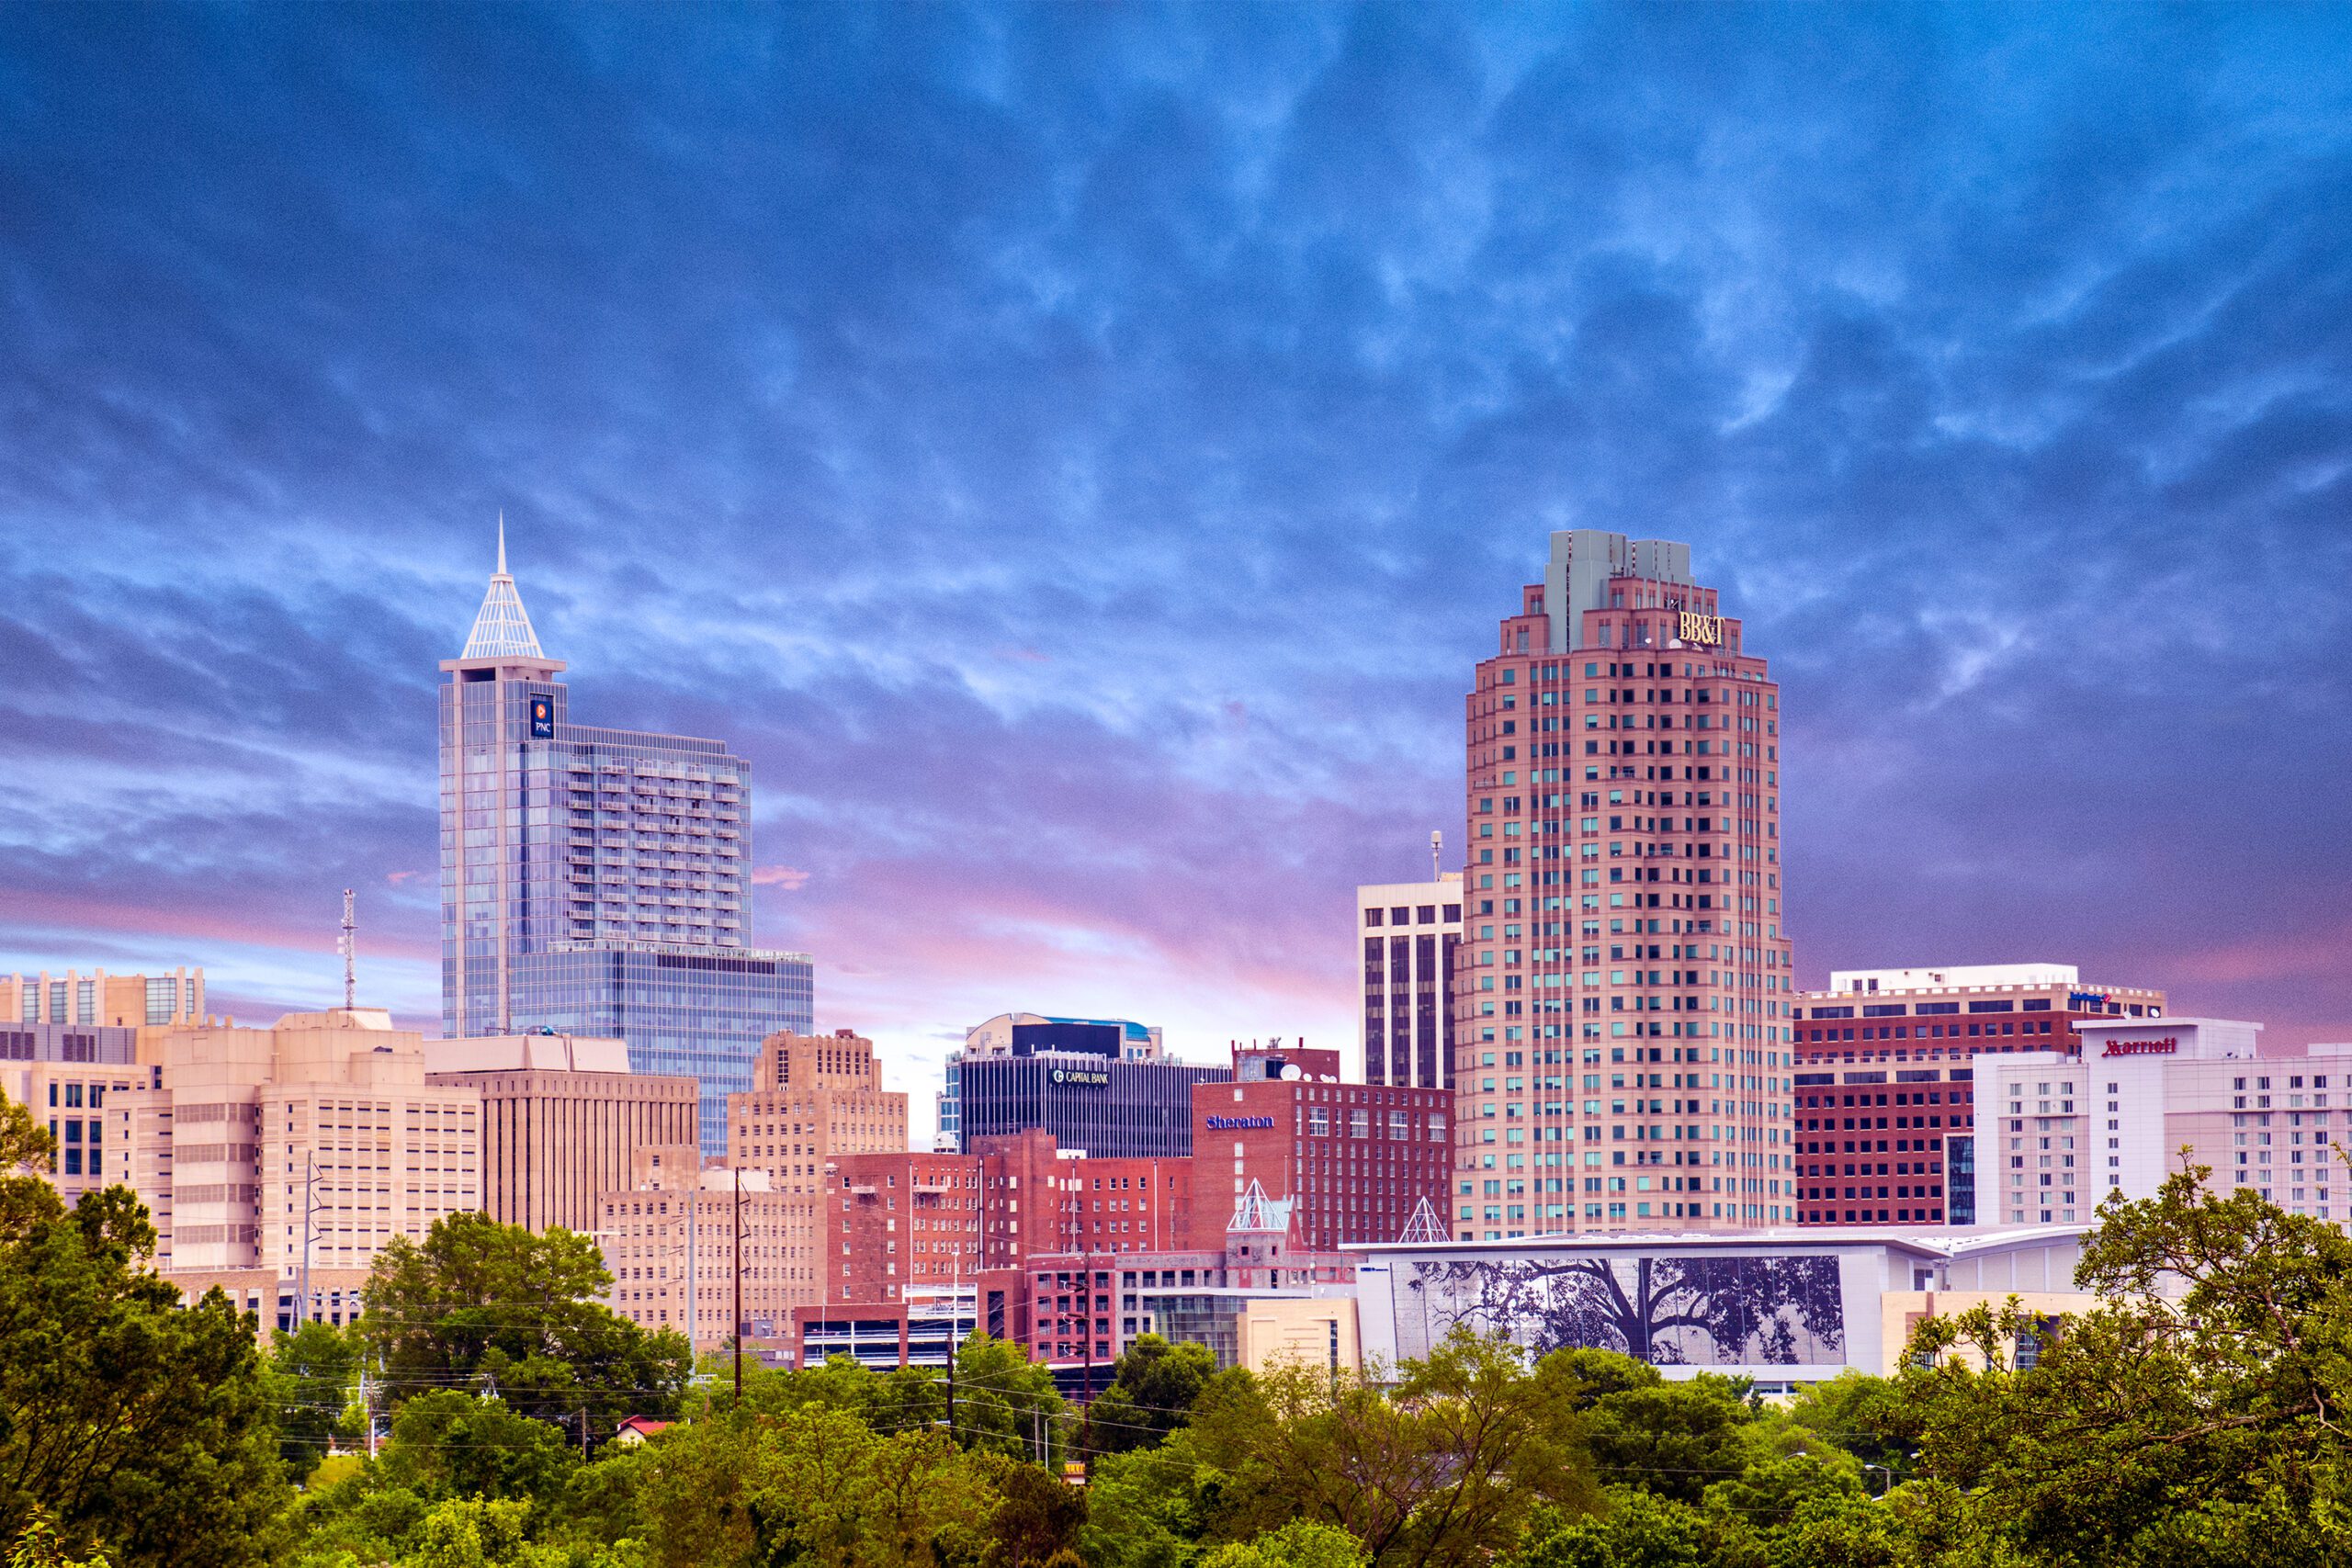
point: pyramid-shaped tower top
(502, 627)
(1255, 1214)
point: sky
(1078, 453)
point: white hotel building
(2057, 1133)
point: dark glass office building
(1109, 1107)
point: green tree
(1004, 1400)
(2196, 1417)
(1442, 1469)
(38, 1546)
(815, 1485)
(1638, 1530)
(144, 1427)
(1594, 1374)
(470, 1532)
(1673, 1439)
(1154, 1386)
(1772, 1490)
(1036, 1518)
(1302, 1543)
(312, 1375)
(1144, 1507)
(495, 1306)
(1835, 1528)
(1858, 1411)
(27, 1153)
(453, 1444)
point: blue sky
(1079, 452)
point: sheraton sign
(2168, 1046)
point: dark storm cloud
(1078, 453)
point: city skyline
(1078, 468)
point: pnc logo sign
(1239, 1124)
(2167, 1046)
(1705, 630)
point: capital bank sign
(1081, 1076)
(2168, 1046)
(1239, 1123)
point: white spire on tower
(502, 627)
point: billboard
(1706, 1311)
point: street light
(1886, 1485)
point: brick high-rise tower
(1622, 998)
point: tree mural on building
(1671, 1311)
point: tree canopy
(140, 1429)
(1440, 1471)
(485, 1305)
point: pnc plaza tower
(1623, 988)
(598, 882)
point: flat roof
(1941, 1242)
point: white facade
(2057, 1133)
(1409, 932)
(1783, 1306)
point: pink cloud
(787, 877)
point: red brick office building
(1357, 1157)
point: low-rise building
(1784, 1306)
(1078, 1311)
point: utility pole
(955, 1335)
(310, 1207)
(1086, 1420)
(738, 1171)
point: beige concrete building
(1318, 1332)
(670, 1242)
(325, 1112)
(119, 1001)
(813, 1097)
(562, 1121)
(66, 1075)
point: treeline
(466, 1420)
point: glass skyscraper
(598, 881)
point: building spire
(501, 627)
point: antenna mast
(1437, 856)
(346, 945)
